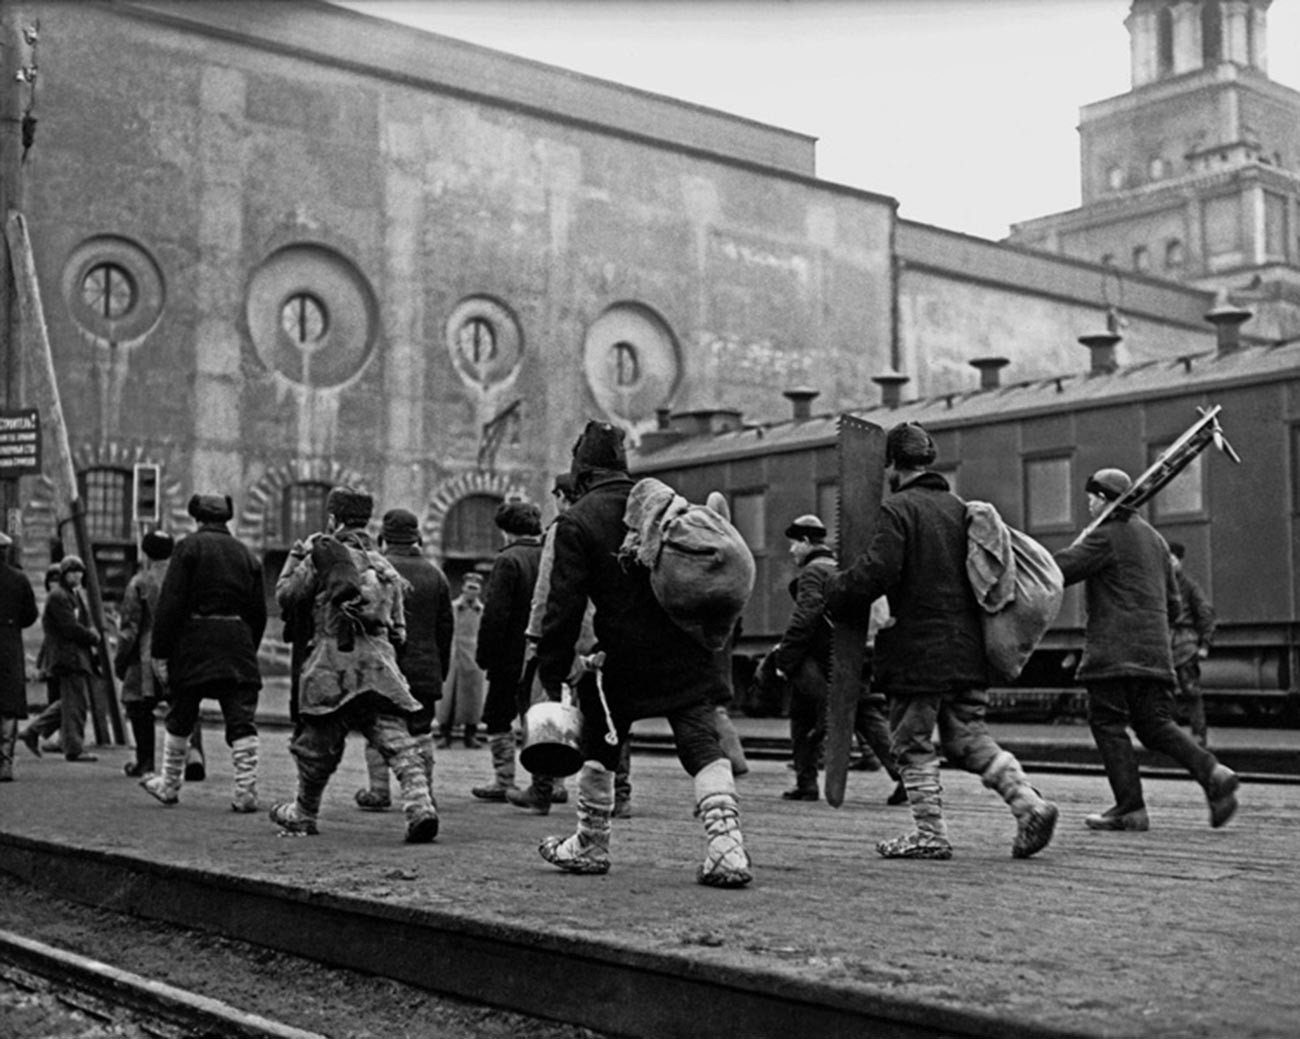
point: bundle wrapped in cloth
(1018, 585)
(701, 570)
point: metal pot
(552, 738)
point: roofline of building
(1043, 271)
(1223, 74)
(261, 26)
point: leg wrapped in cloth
(930, 838)
(166, 786)
(726, 863)
(376, 796)
(1035, 818)
(587, 849)
(243, 761)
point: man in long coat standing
(211, 618)
(17, 611)
(466, 685)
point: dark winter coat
(133, 661)
(425, 656)
(17, 611)
(507, 599)
(70, 639)
(917, 560)
(1193, 628)
(1131, 596)
(808, 635)
(652, 667)
(211, 612)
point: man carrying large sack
(651, 668)
(931, 661)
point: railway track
(78, 985)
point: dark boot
(471, 738)
(196, 764)
(8, 744)
(536, 797)
(502, 745)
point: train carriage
(1028, 447)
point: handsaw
(860, 451)
(1172, 461)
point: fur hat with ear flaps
(350, 507)
(600, 447)
(211, 508)
(909, 446)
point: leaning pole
(35, 343)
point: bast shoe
(372, 801)
(1034, 831)
(292, 820)
(1221, 793)
(1111, 820)
(422, 827)
(915, 846)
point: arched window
(107, 494)
(470, 530)
(1175, 255)
(1141, 258)
(1115, 178)
(302, 512)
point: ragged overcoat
(17, 611)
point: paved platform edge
(595, 984)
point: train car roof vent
(801, 398)
(1102, 347)
(891, 387)
(990, 369)
(1227, 319)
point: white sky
(963, 110)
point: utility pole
(12, 60)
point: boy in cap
(70, 641)
(143, 680)
(931, 661)
(651, 668)
(210, 618)
(1191, 635)
(1131, 594)
(425, 655)
(500, 648)
(352, 680)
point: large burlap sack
(701, 570)
(1017, 583)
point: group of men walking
(567, 610)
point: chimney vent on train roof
(1227, 319)
(1101, 345)
(990, 369)
(801, 398)
(891, 388)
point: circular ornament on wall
(312, 315)
(632, 361)
(113, 289)
(485, 341)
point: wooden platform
(1179, 931)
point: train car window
(1049, 501)
(749, 514)
(1184, 495)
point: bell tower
(1194, 174)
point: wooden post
(35, 340)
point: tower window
(1141, 258)
(1156, 168)
(1175, 255)
(1211, 33)
(1115, 178)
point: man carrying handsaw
(1132, 596)
(931, 661)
